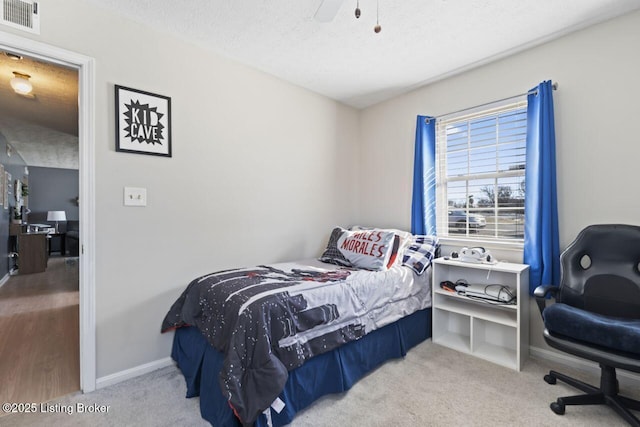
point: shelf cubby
(495, 332)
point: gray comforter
(269, 319)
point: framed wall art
(143, 122)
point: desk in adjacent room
(32, 253)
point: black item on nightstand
(596, 315)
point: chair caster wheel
(550, 379)
(558, 408)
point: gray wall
(262, 170)
(52, 189)
(596, 110)
(15, 165)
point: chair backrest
(600, 271)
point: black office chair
(596, 315)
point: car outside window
(480, 185)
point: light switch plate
(134, 196)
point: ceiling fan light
(21, 84)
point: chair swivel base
(607, 394)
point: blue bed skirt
(332, 372)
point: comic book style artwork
(143, 122)
(270, 319)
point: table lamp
(56, 216)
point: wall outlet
(134, 196)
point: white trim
(487, 244)
(581, 364)
(564, 359)
(130, 373)
(86, 131)
(4, 279)
(86, 142)
(487, 109)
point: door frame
(86, 151)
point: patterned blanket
(269, 319)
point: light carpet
(431, 386)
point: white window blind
(480, 160)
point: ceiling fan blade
(328, 10)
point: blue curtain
(423, 204)
(541, 241)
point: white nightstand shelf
(497, 333)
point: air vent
(21, 14)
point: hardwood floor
(39, 337)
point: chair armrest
(542, 292)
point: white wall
(596, 112)
(261, 172)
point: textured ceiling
(42, 128)
(421, 40)
(40, 146)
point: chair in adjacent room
(596, 314)
(73, 238)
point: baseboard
(4, 279)
(136, 371)
(625, 377)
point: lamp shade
(56, 216)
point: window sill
(487, 244)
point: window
(481, 173)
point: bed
(262, 343)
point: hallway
(39, 334)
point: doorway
(39, 333)
(86, 243)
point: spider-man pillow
(369, 249)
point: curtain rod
(534, 92)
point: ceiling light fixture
(377, 28)
(21, 84)
(13, 56)
(358, 12)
